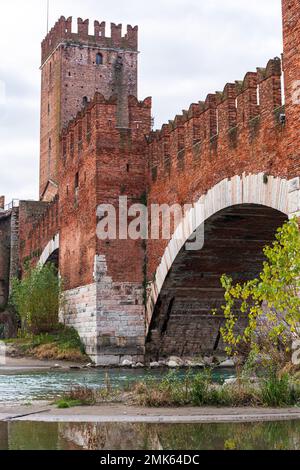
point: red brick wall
(291, 65)
(109, 162)
(228, 134)
(5, 234)
(38, 224)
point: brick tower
(74, 67)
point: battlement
(99, 116)
(62, 32)
(258, 93)
(246, 105)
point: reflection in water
(90, 436)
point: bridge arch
(50, 252)
(241, 198)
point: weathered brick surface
(38, 224)
(291, 66)
(216, 140)
(70, 75)
(5, 234)
(99, 163)
(239, 146)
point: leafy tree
(37, 298)
(270, 303)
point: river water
(45, 385)
(26, 387)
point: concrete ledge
(125, 414)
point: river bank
(13, 364)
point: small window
(49, 155)
(99, 59)
(77, 181)
(76, 189)
(64, 148)
(85, 100)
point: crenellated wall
(62, 31)
(38, 223)
(240, 130)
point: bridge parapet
(224, 123)
(39, 223)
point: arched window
(99, 59)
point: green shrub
(276, 391)
(200, 386)
(37, 298)
(269, 302)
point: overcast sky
(188, 48)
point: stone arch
(50, 251)
(260, 189)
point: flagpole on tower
(48, 16)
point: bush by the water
(200, 390)
(37, 298)
(192, 389)
(62, 344)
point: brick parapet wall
(241, 130)
(242, 113)
(38, 223)
(291, 67)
